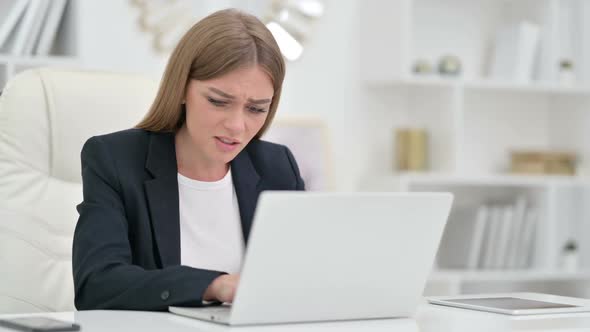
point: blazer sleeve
(103, 270)
(299, 183)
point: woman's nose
(235, 122)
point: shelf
(37, 60)
(493, 180)
(425, 81)
(484, 85)
(535, 87)
(509, 276)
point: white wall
(324, 82)
(109, 38)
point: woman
(168, 205)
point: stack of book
(29, 27)
(543, 162)
(490, 236)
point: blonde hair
(221, 42)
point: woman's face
(223, 114)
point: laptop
(334, 256)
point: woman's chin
(226, 158)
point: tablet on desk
(512, 304)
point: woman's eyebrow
(221, 93)
(259, 101)
(228, 96)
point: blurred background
(488, 99)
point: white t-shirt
(210, 229)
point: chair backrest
(45, 117)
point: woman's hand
(222, 289)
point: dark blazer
(126, 250)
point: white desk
(429, 318)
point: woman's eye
(216, 102)
(256, 109)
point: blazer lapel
(246, 183)
(162, 196)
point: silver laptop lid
(333, 256)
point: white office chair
(45, 117)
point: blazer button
(165, 295)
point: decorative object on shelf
(449, 65)
(411, 149)
(288, 20)
(570, 256)
(535, 162)
(165, 20)
(566, 72)
(422, 67)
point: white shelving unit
(64, 53)
(474, 123)
(483, 85)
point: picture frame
(307, 138)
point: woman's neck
(190, 162)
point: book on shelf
(504, 229)
(520, 207)
(50, 28)
(515, 52)
(491, 237)
(36, 27)
(24, 27)
(475, 247)
(10, 13)
(527, 240)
